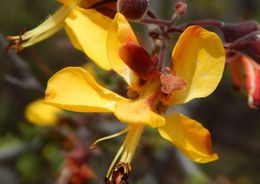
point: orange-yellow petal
(74, 89)
(198, 58)
(41, 114)
(88, 30)
(120, 33)
(189, 136)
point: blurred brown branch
(28, 80)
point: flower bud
(233, 32)
(180, 7)
(133, 9)
(248, 45)
(252, 84)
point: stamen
(128, 149)
(132, 140)
(115, 159)
(93, 146)
(50, 26)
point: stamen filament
(115, 159)
(128, 147)
(132, 139)
(111, 136)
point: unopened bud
(233, 32)
(251, 81)
(133, 9)
(248, 45)
(180, 7)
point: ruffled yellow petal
(87, 30)
(41, 114)
(120, 33)
(74, 89)
(199, 59)
(189, 136)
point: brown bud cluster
(133, 9)
(232, 32)
(248, 45)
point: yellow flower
(83, 24)
(42, 114)
(39, 113)
(196, 69)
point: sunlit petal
(74, 89)
(120, 33)
(189, 136)
(87, 30)
(199, 59)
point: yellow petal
(87, 30)
(74, 89)
(41, 114)
(120, 33)
(199, 59)
(189, 136)
(137, 112)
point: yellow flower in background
(84, 25)
(197, 66)
(39, 113)
(42, 114)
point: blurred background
(34, 154)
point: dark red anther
(235, 31)
(138, 60)
(133, 9)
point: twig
(28, 80)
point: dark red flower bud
(233, 32)
(252, 82)
(248, 45)
(133, 9)
(138, 60)
(180, 7)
